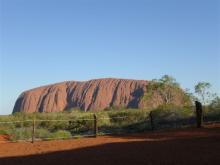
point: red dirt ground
(4, 139)
(183, 146)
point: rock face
(93, 95)
(90, 95)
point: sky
(49, 41)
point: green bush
(3, 132)
(170, 112)
(211, 114)
(128, 116)
(80, 125)
(19, 134)
(61, 134)
(42, 133)
(53, 125)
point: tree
(215, 104)
(164, 87)
(190, 96)
(202, 90)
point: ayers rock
(93, 95)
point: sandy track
(185, 146)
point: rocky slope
(89, 95)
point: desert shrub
(171, 112)
(108, 109)
(115, 108)
(19, 134)
(130, 120)
(103, 118)
(72, 110)
(3, 132)
(42, 133)
(168, 116)
(61, 134)
(7, 126)
(80, 126)
(53, 125)
(23, 124)
(128, 116)
(211, 114)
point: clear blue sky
(48, 41)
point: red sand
(3, 139)
(183, 146)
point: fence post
(199, 116)
(33, 131)
(151, 120)
(95, 125)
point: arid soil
(184, 146)
(4, 139)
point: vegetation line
(21, 121)
(107, 118)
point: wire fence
(50, 129)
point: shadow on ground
(194, 151)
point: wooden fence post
(151, 120)
(33, 131)
(95, 125)
(199, 115)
